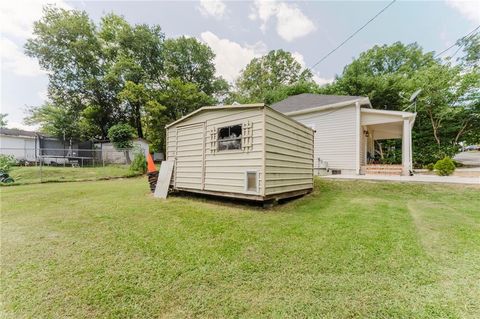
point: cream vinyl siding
(288, 154)
(223, 171)
(190, 149)
(335, 136)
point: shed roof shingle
(307, 101)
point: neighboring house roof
(304, 102)
(213, 108)
(17, 132)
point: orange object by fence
(150, 164)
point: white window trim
(257, 181)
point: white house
(23, 145)
(346, 129)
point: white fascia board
(330, 106)
(222, 107)
(389, 112)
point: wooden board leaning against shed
(242, 151)
(163, 180)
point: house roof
(213, 108)
(17, 132)
(307, 101)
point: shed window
(230, 138)
(251, 181)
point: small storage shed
(242, 151)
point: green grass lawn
(32, 174)
(349, 250)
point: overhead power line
(353, 34)
(464, 37)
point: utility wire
(464, 37)
(352, 35)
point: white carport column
(406, 147)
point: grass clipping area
(349, 250)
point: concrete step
(383, 166)
(382, 169)
(384, 172)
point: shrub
(139, 163)
(121, 136)
(445, 166)
(6, 162)
(430, 166)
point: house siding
(22, 148)
(223, 171)
(288, 154)
(335, 136)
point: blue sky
(239, 31)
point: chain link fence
(59, 165)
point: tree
(176, 100)
(285, 91)
(3, 120)
(191, 61)
(121, 136)
(55, 120)
(89, 65)
(381, 73)
(270, 72)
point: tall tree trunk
(138, 121)
(434, 127)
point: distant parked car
(472, 148)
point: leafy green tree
(134, 96)
(89, 65)
(285, 91)
(55, 120)
(268, 73)
(191, 61)
(3, 119)
(176, 100)
(381, 73)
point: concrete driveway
(411, 179)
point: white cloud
(316, 77)
(231, 57)
(18, 16)
(469, 9)
(22, 126)
(322, 81)
(291, 22)
(214, 8)
(15, 60)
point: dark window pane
(230, 138)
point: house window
(251, 182)
(230, 138)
